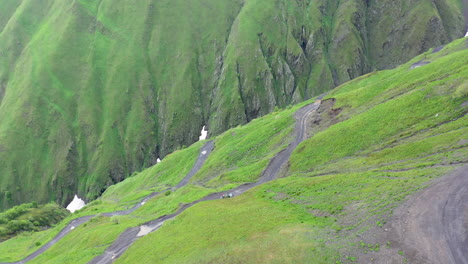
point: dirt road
(432, 227)
(204, 153)
(127, 238)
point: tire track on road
(433, 226)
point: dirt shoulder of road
(431, 227)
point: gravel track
(72, 225)
(432, 227)
(204, 153)
(127, 238)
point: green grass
(243, 229)
(93, 91)
(26, 243)
(86, 241)
(277, 127)
(423, 102)
(418, 144)
(161, 176)
(242, 153)
(296, 220)
(397, 131)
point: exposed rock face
(91, 91)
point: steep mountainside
(92, 91)
(363, 150)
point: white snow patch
(144, 229)
(76, 204)
(204, 134)
(142, 203)
(71, 228)
(203, 152)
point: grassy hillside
(373, 141)
(93, 91)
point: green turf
(394, 132)
(93, 91)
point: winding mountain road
(204, 153)
(432, 227)
(127, 238)
(72, 225)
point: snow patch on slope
(76, 204)
(204, 134)
(146, 229)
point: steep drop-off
(92, 91)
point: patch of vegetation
(29, 217)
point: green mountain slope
(372, 142)
(92, 91)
